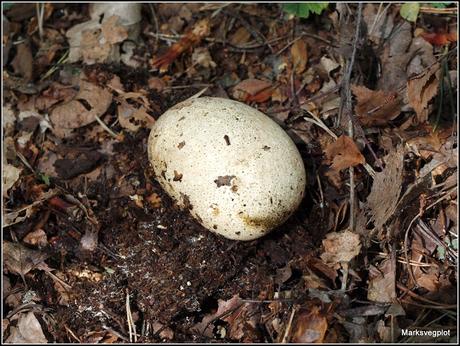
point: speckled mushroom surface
(233, 167)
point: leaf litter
(80, 96)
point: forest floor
(95, 251)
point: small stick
(288, 327)
(347, 107)
(105, 127)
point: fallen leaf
(382, 283)
(381, 22)
(205, 327)
(253, 89)
(156, 83)
(133, 118)
(310, 326)
(409, 11)
(19, 215)
(55, 93)
(8, 120)
(20, 260)
(36, 238)
(395, 57)
(340, 247)
(200, 30)
(421, 89)
(384, 196)
(299, 56)
(28, 330)
(241, 36)
(23, 61)
(10, 176)
(439, 38)
(91, 101)
(376, 107)
(343, 153)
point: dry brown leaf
(243, 323)
(310, 326)
(422, 89)
(133, 118)
(299, 56)
(19, 259)
(340, 247)
(23, 61)
(28, 330)
(205, 327)
(252, 90)
(382, 283)
(384, 196)
(36, 238)
(241, 36)
(375, 107)
(19, 215)
(343, 153)
(74, 114)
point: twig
(155, 21)
(288, 327)
(40, 7)
(129, 317)
(72, 333)
(346, 107)
(105, 127)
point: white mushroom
(234, 168)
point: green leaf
(440, 4)
(43, 177)
(303, 10)
(409, 11)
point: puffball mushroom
(236, 170)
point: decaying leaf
(10, 176)
(340, 247)
(384, 196)
(19, 259)
(382, 283)
(343, 153)
(205, 327)
(299, 56)
(133, 118)
(310, 327)
(422, 89)
(23, 61)
(202, 57)
(28, 330)
(19, 215)
(376, 107)
(36, 238)
(91, 101)
(96, 42)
